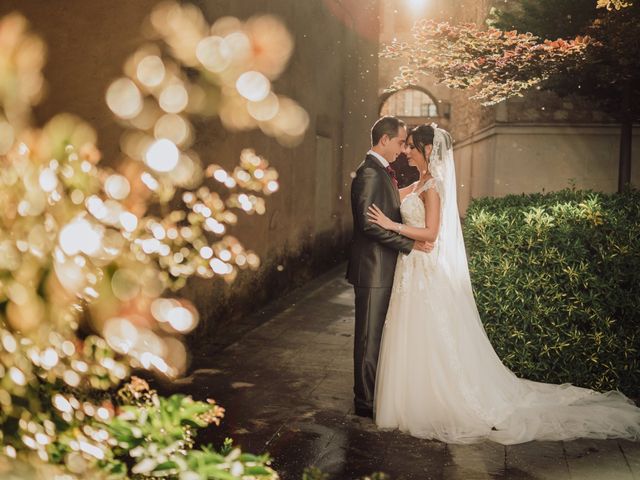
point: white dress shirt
(380, 158)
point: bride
(438, 375)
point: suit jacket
(374, 250)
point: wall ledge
(543, 129)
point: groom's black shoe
(364, 412)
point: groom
(374, 252)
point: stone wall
(515, 158)
(332, 74)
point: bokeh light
(97, 247)
(174, 98)
(79, 236)
(121, 334)
(162, 155)
(117, 187)
(265, 109)
(214, 54)
(151, 71)
(254, 86)
(124, 98)
(173, 127)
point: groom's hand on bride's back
(423, 246)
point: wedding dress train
(438, 376)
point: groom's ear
(384, 139)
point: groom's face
(396, 145)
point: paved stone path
(287, 387)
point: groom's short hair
(386, 125)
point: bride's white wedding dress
(438, 376)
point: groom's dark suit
(371, 267)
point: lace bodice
(412, 207)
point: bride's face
(415, 157)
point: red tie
(392, 174)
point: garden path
(287, 387)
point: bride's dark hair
(422, 136)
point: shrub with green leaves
(148, 437)
(557, 282)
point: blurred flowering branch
(79, 244)
(613, 4)
(494, 63)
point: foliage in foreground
(148, 437)
(157, 434)
(91, 257)
(557, 282)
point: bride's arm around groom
(429, 233)
(367, 190)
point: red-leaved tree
(495, 63)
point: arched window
(409, 102)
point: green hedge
(557, 282)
